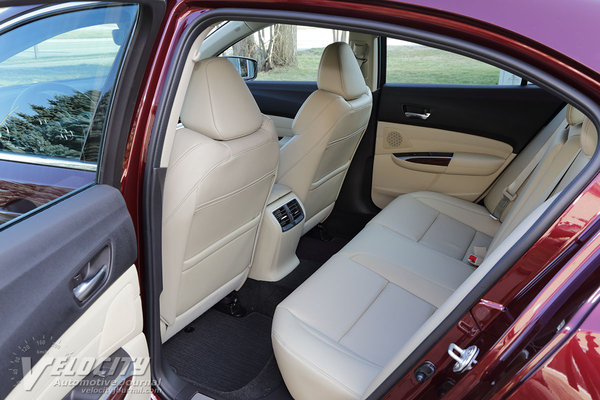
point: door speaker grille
(394, 139)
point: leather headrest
(589, 137)
(218, 103)
(339, 72)
(574, 116)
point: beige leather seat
(223, 165)
(346, 328)
(327, 131)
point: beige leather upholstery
(361, 314)
(574, 116)
(589, 138)
(339, 72)
(222, 167)
(553, 129)
(327, 130)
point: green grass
(82, 53)
(406, 64)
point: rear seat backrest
(589, 142)
(574, 119)
(559, 166)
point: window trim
(48, 161)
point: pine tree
(61, 129)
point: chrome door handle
(87, 287)
(415, 115)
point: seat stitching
(416, 197)
(347, 137)
(310, 363)
(387, 282)
(234, 192)
(425, 278)
(414, 272)
(391, 229)
(429, 227)
(309, 329)
(207, 173)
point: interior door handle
(416, 115)
(86, 288)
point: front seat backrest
(327, 131)
(222, 168)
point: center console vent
(282, 217)
(289, 215)
(295, 210)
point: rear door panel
(42, 257)
(470, 134)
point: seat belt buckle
(474, 260)
(510, 197)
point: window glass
(413, 63)
(57, 76)
(287, 52)
(56, 80)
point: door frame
(416, 24)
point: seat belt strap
(509, 194)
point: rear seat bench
(343, 330)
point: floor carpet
(226, 357)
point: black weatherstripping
(510, 114)
(40, 256)
(281, 98)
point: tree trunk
(284, 46)
(245, 47)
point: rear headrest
(218, 103)
(589, 137)
(339, 72)
(574, 116)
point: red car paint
(490, 324)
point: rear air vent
(295, 210)
(289, 215)
(282, 217)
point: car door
(450, 124)
(69, 290)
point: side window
(287, 52)
(57, 77)
(414, 63)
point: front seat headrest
(218, 103)
(339, 72)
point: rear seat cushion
(327, 345)
(446, 224)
